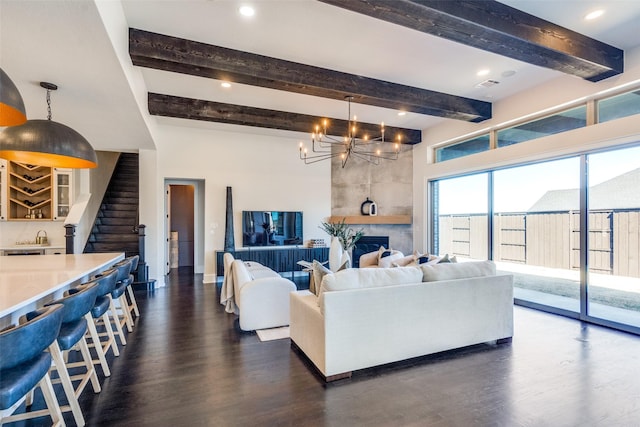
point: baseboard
(209, 278)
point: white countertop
(25, 280)
(30, 247)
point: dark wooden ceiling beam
(198, 109)
(178, 55)
(501, 29)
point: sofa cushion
(360, 278)
(460, 270)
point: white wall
(558, 93)
(264, 172)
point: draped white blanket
(227, 292)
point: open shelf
(30, 191)
(378, 219)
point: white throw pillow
(317, 274)
(387, 257)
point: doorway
(184, 209)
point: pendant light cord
(48, 104)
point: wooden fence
(548, 239)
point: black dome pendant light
(47, 143)
(12, 111)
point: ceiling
(69, 42)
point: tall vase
(229, 242)
(335, 254)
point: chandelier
(355, 143)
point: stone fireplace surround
(389, 184)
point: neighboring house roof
(620, 192)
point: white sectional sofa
(257, 294)
(368, 317)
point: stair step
(119, 206)
(119, 214)
(114, 229)
(129, 222)
(122, 238)
(110, 247)
(123, 191)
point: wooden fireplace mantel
(367, 219)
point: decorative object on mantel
(229, 241)
(352, 144)
(12, 111)
(47, 143)
(369, 207)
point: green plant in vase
(345, 234)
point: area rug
(273, 334)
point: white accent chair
(257, 294)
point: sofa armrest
(264, 303)
(307, 328)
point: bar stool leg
(69, 391)
(51, 401)
(134, 303)
(91, 371)
(116, 319)
(124, 307)
(93, 333)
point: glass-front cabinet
(62, 193)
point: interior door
(167, 226)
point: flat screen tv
(271, 228)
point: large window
(572, 244)
(536, 225)
(619, 106)
(463, 148)
(614, 236)
(550, 125)
(460, 215)
(611, 108)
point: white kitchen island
(29, 282)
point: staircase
(115, 228)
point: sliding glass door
(613, 199)
(536, 231)
(567, 229)
(460, 216)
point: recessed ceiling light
(402, 113)
(247, 11)
(508, 73)
(483, 72)
(225, 84)
(594, 14)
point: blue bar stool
(113, 295)
(24, 364)
(105, 341)
(133, 304)
(77, 303)
(124, 316)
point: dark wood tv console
(280, 259)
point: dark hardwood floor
(188, 364)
